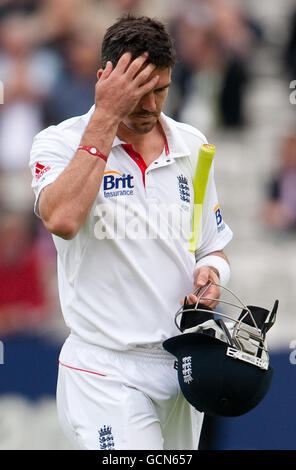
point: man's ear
(99, 73)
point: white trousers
(123, 400)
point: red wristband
(93, 151)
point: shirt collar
(176, 144)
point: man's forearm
(65, 204)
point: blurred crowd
(49, 55)
(279, 209)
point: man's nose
(148, 102)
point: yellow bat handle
(205, 158)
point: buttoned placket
(147, 172)
(151, 189)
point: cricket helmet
(223, 366)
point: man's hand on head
(120, 88)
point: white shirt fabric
(122, 277)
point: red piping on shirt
(82, 370)
(138, 159)
(166, 144)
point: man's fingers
(107, 70)
(136, 65)
(148, 86)
(191, 299)
(202, 276)
(201, 280)
(144, 74)
(123, 62)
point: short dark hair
(138, 35)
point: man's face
(146, 113)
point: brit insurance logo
(117, 184)
(219, 220)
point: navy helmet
(223, 366)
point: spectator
(290, 45)
(73, 92)
(24, 281)
(27, 73)
(56, 20)
(151, 8)
(8, 7)
(108, 10)
(279, 211)
(213, 42)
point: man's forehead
(164, 75)
(158, 70)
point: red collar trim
(137, 157)
(166, 144)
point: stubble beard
(141, 126)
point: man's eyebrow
(163, 87)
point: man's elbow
(57, 219)
(61, 227)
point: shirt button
(168, 161)
(155, 163)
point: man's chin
(142, 126)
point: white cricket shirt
(122, 277)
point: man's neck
(149, 145)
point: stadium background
(236, 60)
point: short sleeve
(50, 155)
(216, 234)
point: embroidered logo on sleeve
(40, 170)
(219, 219)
